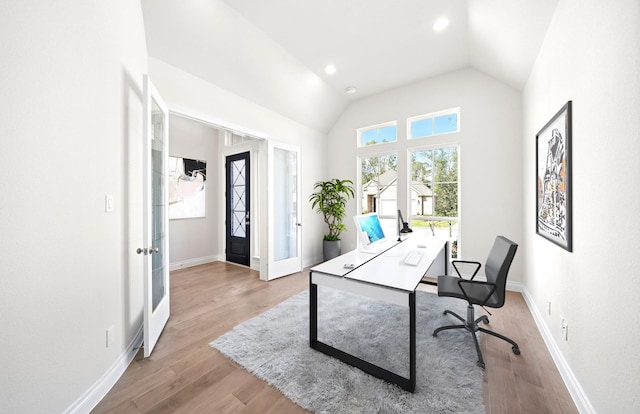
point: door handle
(145, 251)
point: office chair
(486, 294)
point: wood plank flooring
(185, 375)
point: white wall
(489, 139)
(195, 240)
(591, 56)
(189, 94)
(70, 133)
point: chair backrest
(497, 267)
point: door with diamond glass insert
(237, 202)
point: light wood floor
(185, 375)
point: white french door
(285, 243)
(155, 248)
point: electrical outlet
(110, 333)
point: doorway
(238, 207)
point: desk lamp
(405, 229)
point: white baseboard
(193, 262)
(96, 393)
(577, 393)
(312, 262)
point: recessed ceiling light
(440, 24)
(351, 90)
(329, 69)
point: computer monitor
(370, 231)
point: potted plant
(330, 199)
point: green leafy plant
(330, 199)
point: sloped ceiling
(274, 52)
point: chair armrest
(462, 282)
(478, 266)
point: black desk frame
(408, 384)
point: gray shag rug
(274, 346)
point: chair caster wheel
(516, 350)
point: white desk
(385, 277)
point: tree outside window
(434, 191)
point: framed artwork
(553, 179)
(187, 179)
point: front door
(237, 206)
(155, 248)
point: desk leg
(447, 255)
(313, 313)
(408, 384)
(412, 341)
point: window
(379, 178)
(378, 134)
(420, 178)
(434, 191)
(436, 123)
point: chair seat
(448, 286)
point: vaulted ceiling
(274, 52)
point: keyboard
(413, 258)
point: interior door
(238, 220)
(155, 247)
(285, 243)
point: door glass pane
(158, 287)
(285, 208)
(238, 199)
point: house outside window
(379, 190)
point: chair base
(472, 325)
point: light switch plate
(110, 333)
(108, 203)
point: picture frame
(553, 179)
(187, 190)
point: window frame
(360, 131)
(433, 116)
(433, 217)
(402, 148)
